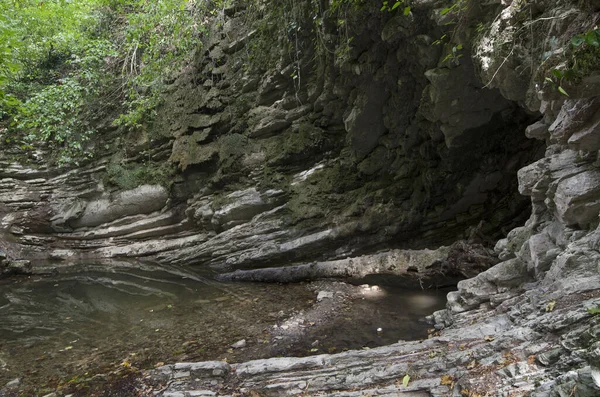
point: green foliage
(586, 53)
(594, 310)
(456, 17)
(591, 38)
(52, 66)
(65, 64)
(156, 39)
(405, 380)
(455, 9)
(583, 58)
(58, 115)
(52, 116)
(129, 176)
(339, 41)
(37, 34)
(454, 55)
(402, 4)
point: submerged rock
(15, 268)
(239, 344)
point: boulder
(141, 200)
(577, 198)
(364, 124)
(543, 251)
(477, 290)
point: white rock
(324, 295)
(239, 344)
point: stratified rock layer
(292, 159)
(529, 326)
(386, 145)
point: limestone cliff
(303, 131)
(357, 134)
(529, 325)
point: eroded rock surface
(274, 174)
(385, 147)
(527, 326)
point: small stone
(13, 383)
(550, 357)
(239, 344)
(379, 329)
(324, 295)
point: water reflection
(92, 318)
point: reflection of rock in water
(40, 307)
(88, 317)
(422, 302)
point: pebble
(240, 344)
(324, 295)
(13, 383)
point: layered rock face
(296, 141)
(324, 155)
(528, 326)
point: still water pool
(56, 331)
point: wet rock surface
(275, 178)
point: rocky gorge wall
(529, 325)
(334, 139)
(326, 155)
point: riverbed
(88, 322)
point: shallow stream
(57, 331)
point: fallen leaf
(405, 380)
(447, 380)
(550, 306)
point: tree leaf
(562, 91)
(578, 40)
(405, 380)
(550, 306)
(407, 11)
(593, 38)
(558, 73)
(396, 5)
